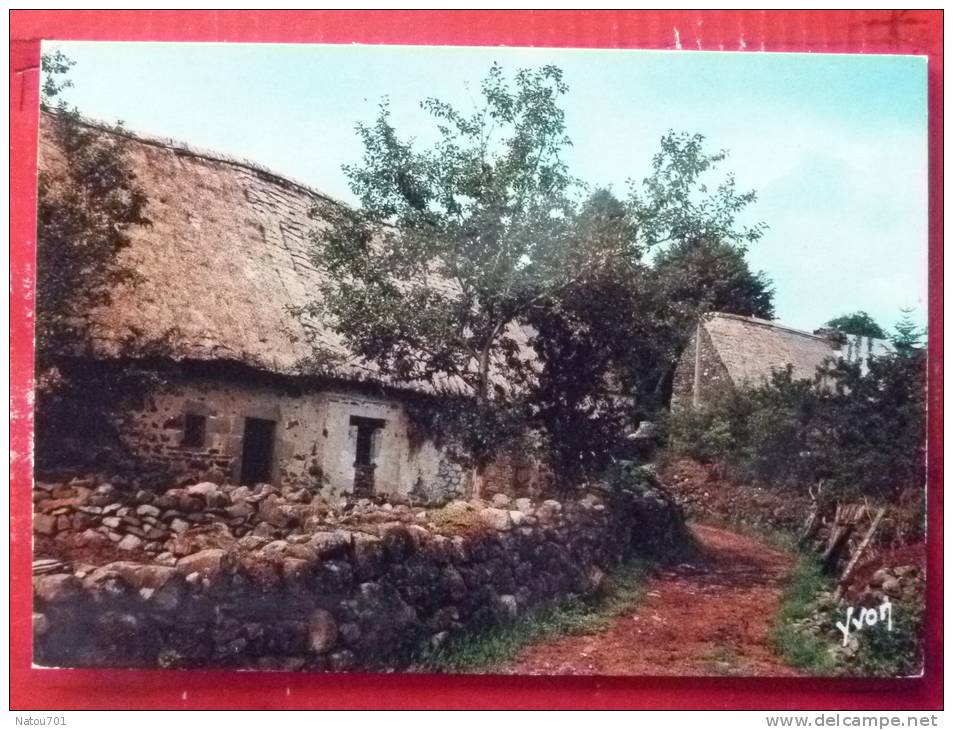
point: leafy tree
(858, 323)
(908, 336)
(460, 249)
(88, 202)
(476, 230)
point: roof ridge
(766, 323)
(181, 147)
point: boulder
(202, 489)
(500, 501)
(44, 524)
(208, 563)
(322, 631)
(41, 624)
(524, 505)
(56, 588)
(368, 556)
(177, 525)
(129, 542)
(498, 519)
(294, 569)
(331, 544)
(398, 543)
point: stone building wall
(314, 438)
(712, 373)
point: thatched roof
(751, 349)
(225, 257)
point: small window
(194, 433)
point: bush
(860, 432)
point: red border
(860, 31)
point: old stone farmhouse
(225, 257)
(728, 350)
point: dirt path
(709, 618)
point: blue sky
(836, 146)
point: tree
(88, 202)
(457, 251)
(908, 336)
(859, 323)
(453, 244)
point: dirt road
(712, 617)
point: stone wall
(315, 439)
(712, 374)
(356, 587)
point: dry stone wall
(266, 578)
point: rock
(240, 494)
(252, 542)
(368, 556)
(331, 544)
(207, 563)
(112, 522)
(41, 624)
(241, 510)
(891, 586)
(341, 660)
(322, 631)
(214, 535)
(501, 501)
(879, 576)
(215, 476)
(56, 588)
(202, 489)
(144, 510)
(350, 633)
(518, 517)
(498, 519)
(398, 544)
(166, 558)
(524, 505)
(277, 514)
(549, 510)
(176, 525)
(44, 524)
(129, 542)
(294, 569)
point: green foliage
(797, 646)
(458, 247)
(907, 337)
(858, 323)
(806, 636)
(88, 202)
(489, 650)
(896, 653)
(625, 475)
(861, 433)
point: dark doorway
(258, 448)
(364, 465)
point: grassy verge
(485, 651)
(799, 647)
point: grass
(485, 651)
(797, 646)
